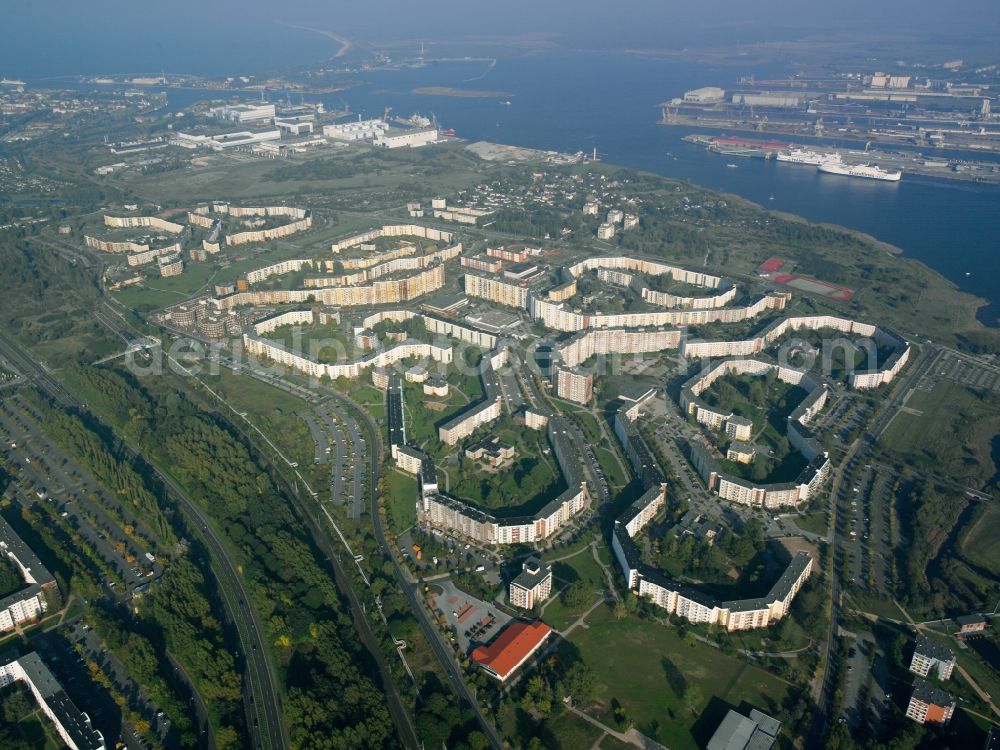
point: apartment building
(408, 459)
(739, 428)
(302, 220)
(556, 317)
(574, 385)
(929, 704)
(469, 421)
(30, 601)
(533, 584)
(391, 230)
(151, 254)
(482, 263)
(930, 655)
(72, 725)
(435, 385)
(511, 253)
(496, 290)
(379, 293)
(143, 222)
(585, 345)
(255, 345)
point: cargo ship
(868, 171)
(738, 146)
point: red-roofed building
(513, 647)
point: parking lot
(75, 501)
(472, 620)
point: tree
(620, 610)
(576, 595)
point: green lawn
(274, 411)
(569, 732)
(400, 500)
(981, 543)
(612, 469)
(814, 522)
(876, 605)
(559, 617)
(246, 393)
(648, 669)
(950, 434)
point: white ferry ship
(805, 156)
(868, 171)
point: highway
(417, 606)
(263, 707)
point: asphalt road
(264, 712)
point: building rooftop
(75, 723)
(512, 647)
(931, 694)
(31, 567)
(970, 619)
(394, 413)
(758, 731)
(445, 304)
(932, 649)
(533, 572)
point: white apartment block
(495, 290)
(407, 459)
(930, 655)
(533, 585)
(391, 230)
(469, 421)
(574, 386)
(276, 352)
(379, 293)
(150, 222)
(72, 725)
(616, 341)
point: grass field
(611, 467)
(814, 522)
(653, 673)
(981, 543)
(877, 605)
(274, 411)
(156, 293)
(400, 500)
(950, 433)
